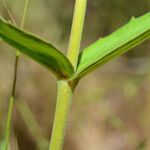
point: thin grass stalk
(33, 127)
(11, 100)
(3, 2)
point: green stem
(76, 31)
(24, 13)
(8, 122)
(11, 101)
(65, 91)
(64, 97)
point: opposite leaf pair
(100, 52)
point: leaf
(117, 43)
(36, 48)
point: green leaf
(36, 48)
(117, 43)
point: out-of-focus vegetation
(110, 114)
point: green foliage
(119, 42)
(36, 48)
(100, 52)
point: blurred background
(111, 106)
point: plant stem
(24, 13)
(64, 97)
(8, 122)
(76, 31)
(65, 90)
(11, 101)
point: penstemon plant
(73, 67)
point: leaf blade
(37, 49)
(115, 44)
